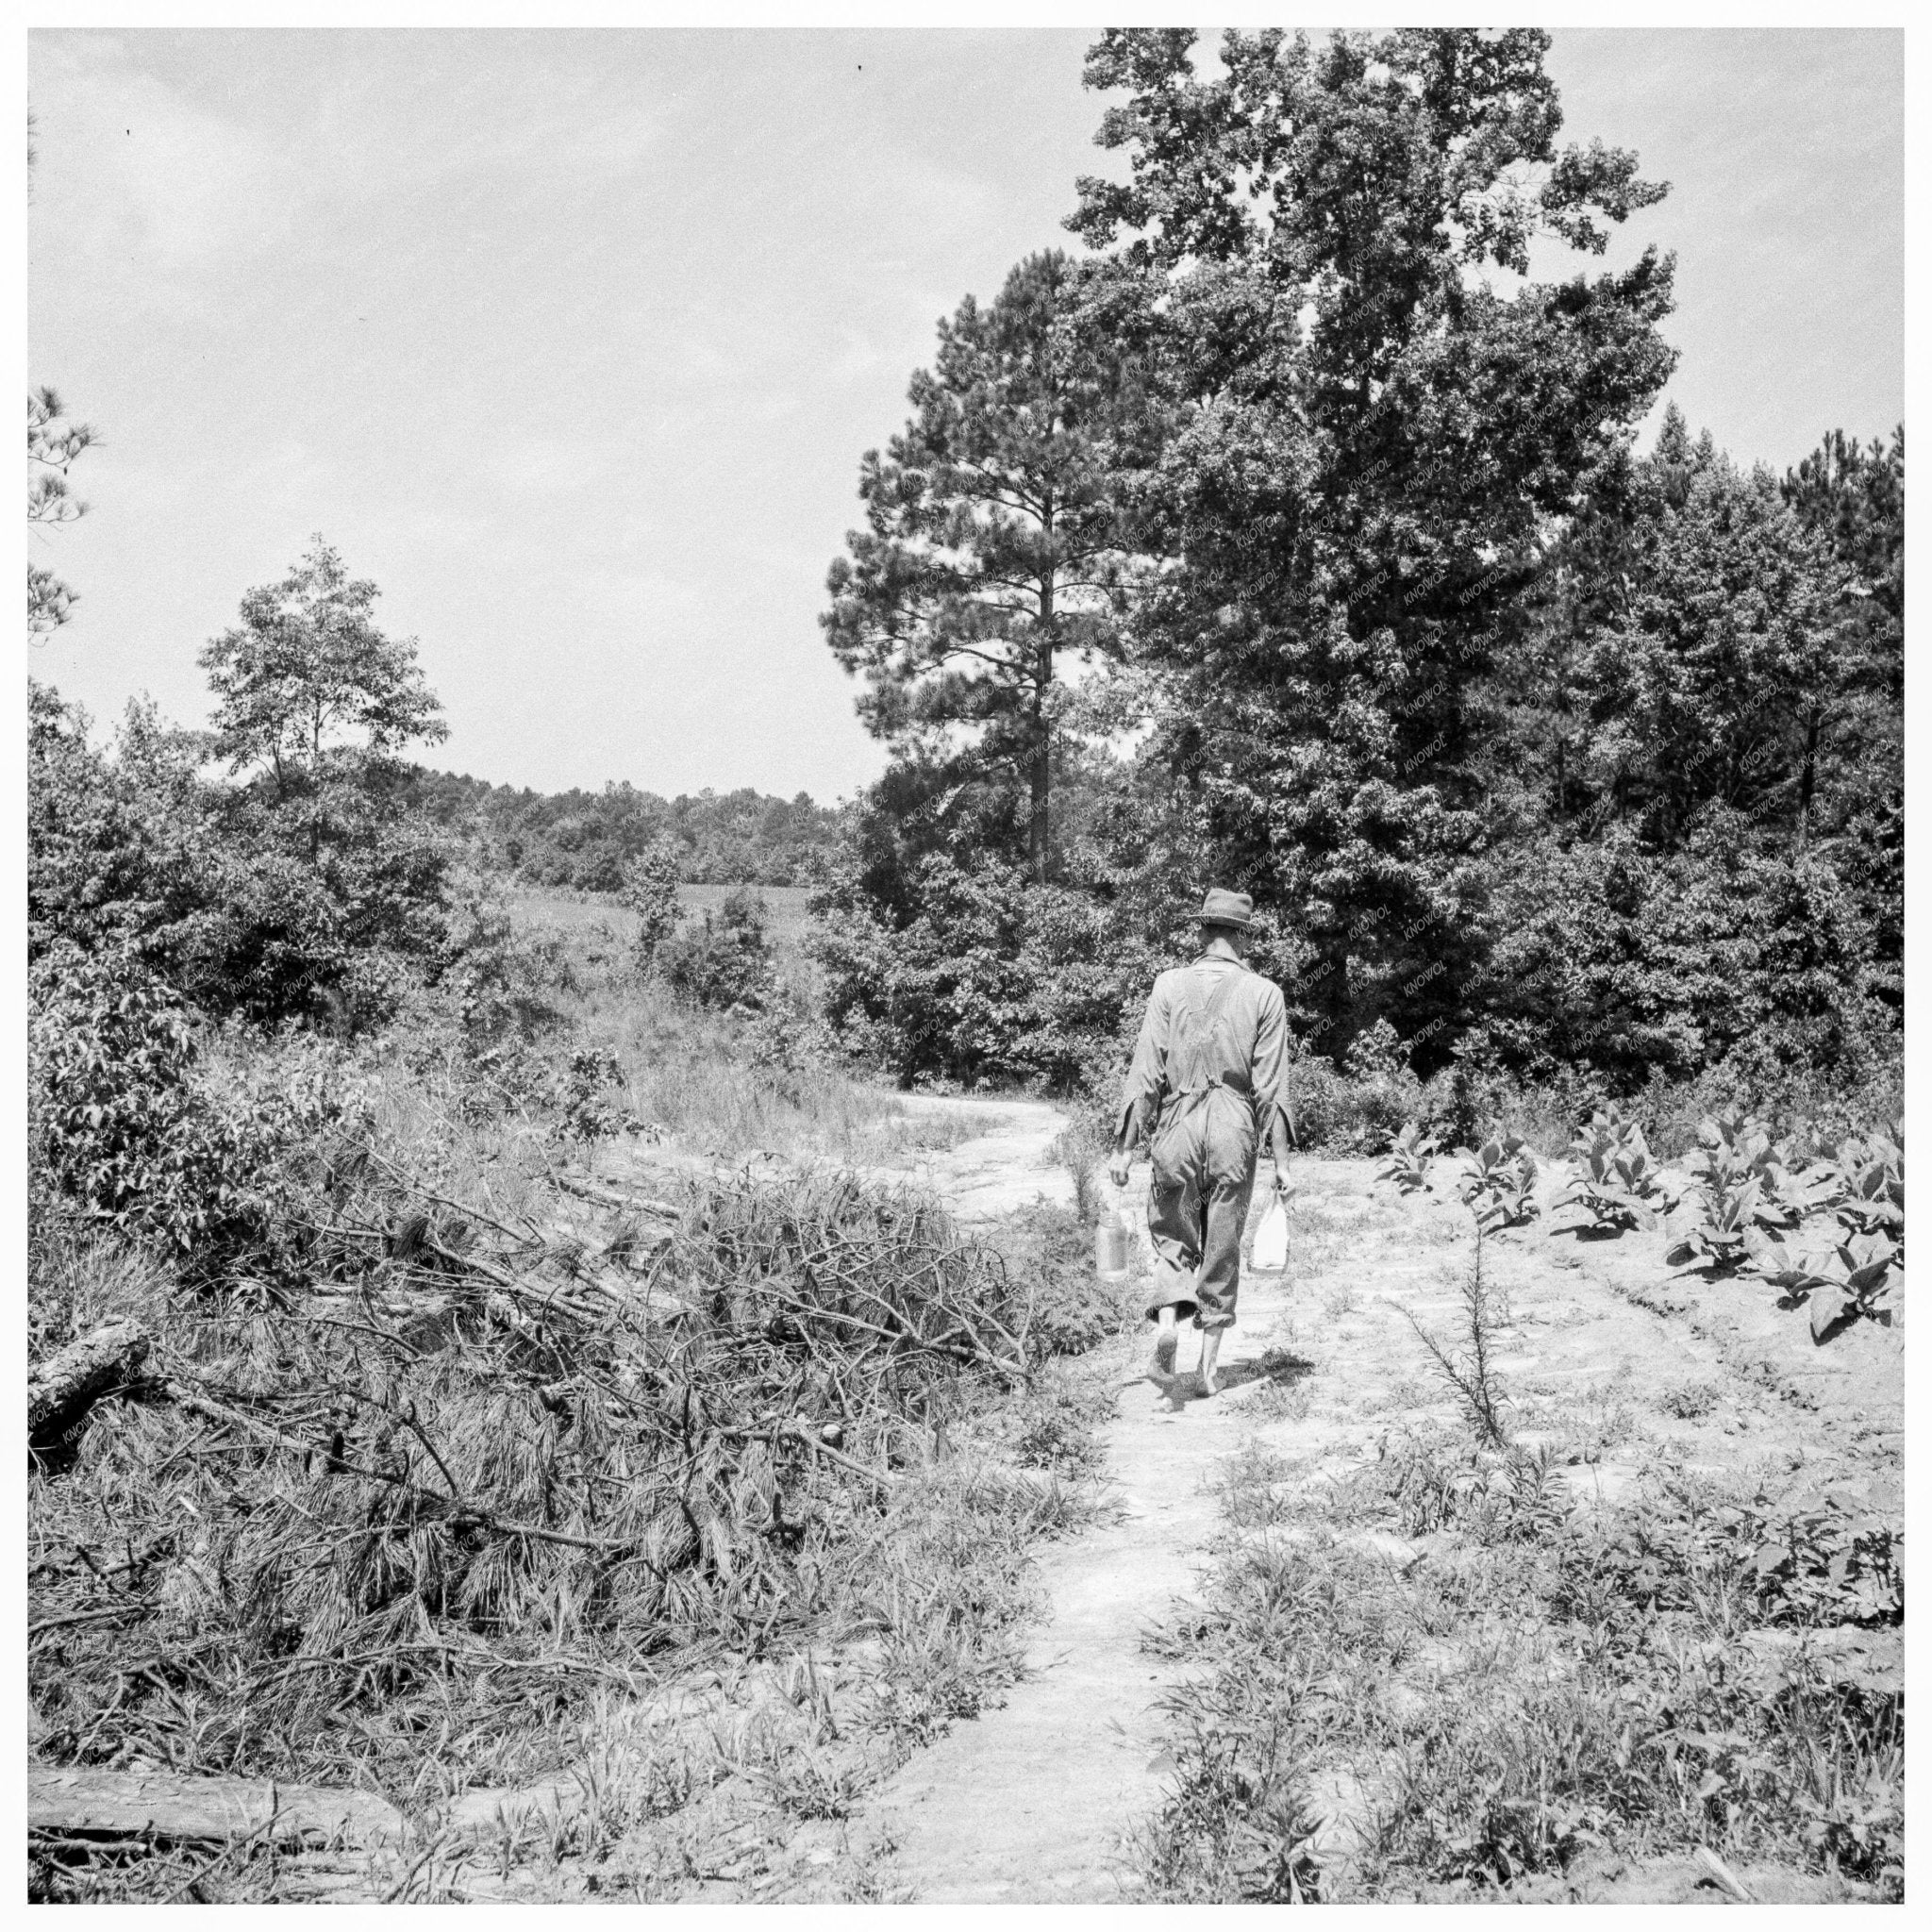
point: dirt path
(1606, 1356)
(1028, 1803)
(1008, 1166)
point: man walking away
(1210, 1065)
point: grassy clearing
(586, 912)
(705, 1079)
(693, 1076)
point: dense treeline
(1299, 540)
(589, 840)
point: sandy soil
(1033, 1802)
(1030, 1803)
(1010, 1166)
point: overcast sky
(573, 341)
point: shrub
(1640, 964)
(1338, 1114)
(1049, 1254)
(785, 1038)
(724, 961)
(650, 890)
(988, 978)
(328, 904)
(131, 1126)
(585, 1114)
(505, 976)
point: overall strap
(1202, 1010)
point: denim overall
(1203, 1154)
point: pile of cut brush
(381, 1532)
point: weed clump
(1051, 1248)
(1471, 1373)
(1533, 1686)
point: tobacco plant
(1597, 1189)
(1735, 1146)
(1727, 1213)
(1868, 1180)
(1842, 1283)
(1742, 1183)
(1406, 1162)
(1496, 1180)
(1636, 1171)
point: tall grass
(690, 1074)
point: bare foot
(1210, 1354)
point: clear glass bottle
(1111, 1245)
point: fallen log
(620, 1195)
(92, 1802)
(64, 1386)
(173, 1808)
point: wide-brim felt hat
(1228, 908)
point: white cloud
(130, 170)
(544, 469)
(134, 171)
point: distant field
(571, 909)
(786, 905)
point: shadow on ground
(1279, 1366)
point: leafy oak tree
(334, 876)
(991, 552)
(306, 679)
(1370, 425)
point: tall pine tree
(990, 555)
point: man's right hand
(1118, 1168)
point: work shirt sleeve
(1271, 1065)
(1141, 1100)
